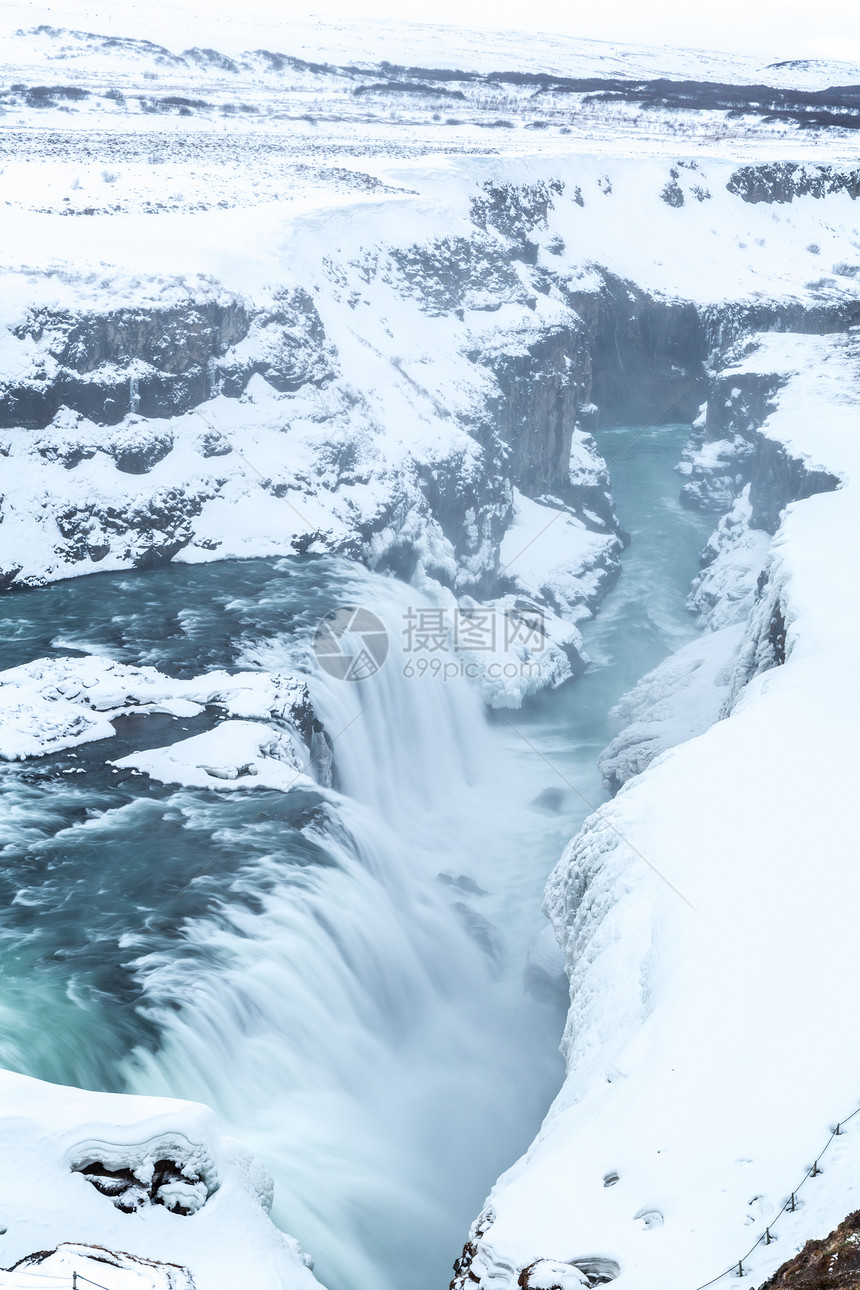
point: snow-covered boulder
(132, 1191)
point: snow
(707, 916)
(548, 551)
(724, 591)
(47, 1131)
(94, 1267)
(52, 704)
(235, 755)
(367, 41)
(676, 701)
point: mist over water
(339, 974)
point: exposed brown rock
(830, 1264)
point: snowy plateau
(360, 298)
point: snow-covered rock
(58, 703)
(236, 754)
(678, 700)
(734, 558)
(73, 1263)
(551, 553)
(65, 1154)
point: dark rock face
(829, 1264)
(778, 479)
(738, 406)
(171, 340)
(764, 644)
(457, 273)
(292, 345)
(541, 393)
(129, 1194)
(136, 452)
(103, 366)
(516, 211)
(149, 533)
(782, 181)
(729, 326)
(162, 362)
(647, 355)
(471, 503)
(8, 576)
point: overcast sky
(777, 28)
(793, 28)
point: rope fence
(34, 1279)
(789, 1206)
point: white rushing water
(368, 1026)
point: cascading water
(338, 972)
(354, 1018)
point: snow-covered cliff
(705, 915)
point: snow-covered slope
(707, 919)
(94, 1173)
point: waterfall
(346, 1028)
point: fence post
(74, 1281)
(793, 1204)
(740, 1267)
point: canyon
(567, 354)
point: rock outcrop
(832, 1263)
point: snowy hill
(364, 42)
